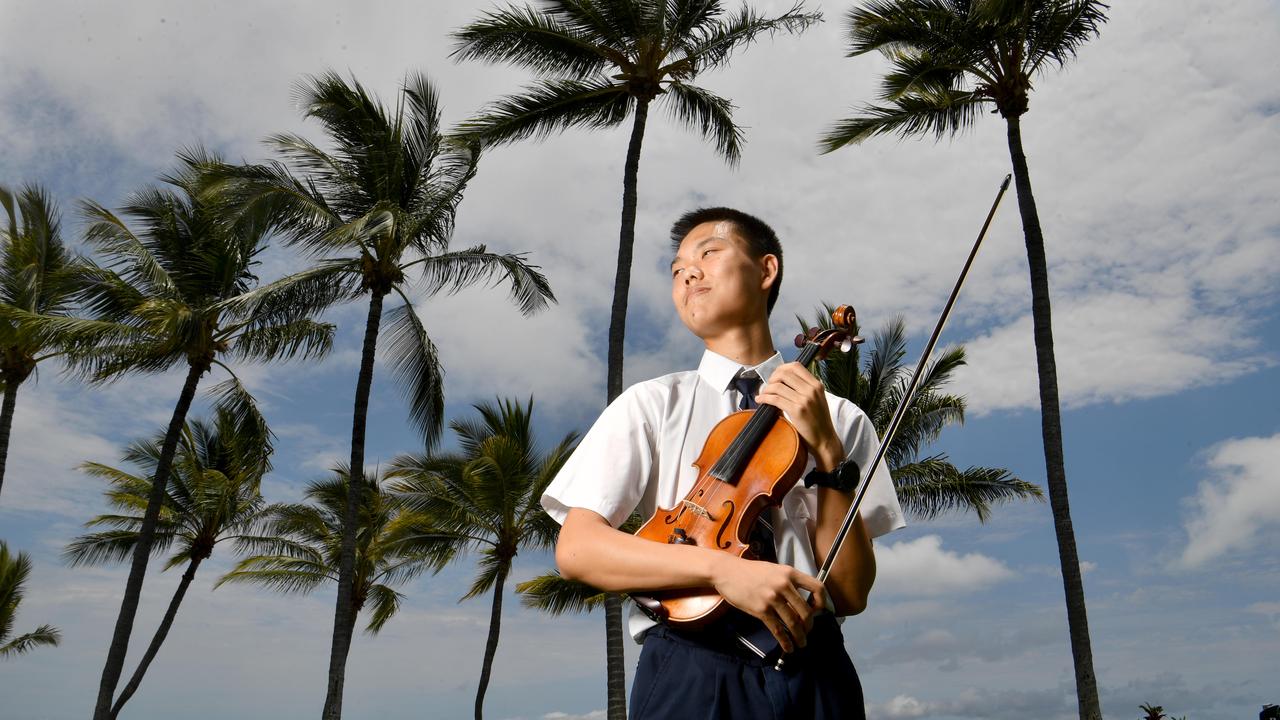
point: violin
(749, 462)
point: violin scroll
(840, 337)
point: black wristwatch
(844, 477)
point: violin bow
(898, 413)
(901, 410)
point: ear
(769, 271)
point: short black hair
(761, 239)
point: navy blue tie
(748, 386)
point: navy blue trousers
(706, 676)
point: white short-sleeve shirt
(639, 456)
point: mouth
(695, 291)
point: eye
(708, 251)
(676, 272)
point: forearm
(593, 552)
(854, 570)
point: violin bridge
(697, 509)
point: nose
(692, 274)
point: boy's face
(715, 282)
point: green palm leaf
(554, 594)
(14, 571)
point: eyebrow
(701, 242)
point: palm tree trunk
(616, 659)
(626, 243)
(6, 425)
(491, 647)
(344, 614)
(1051, 428)
(616, 674)
(158, 640)
(146, 537)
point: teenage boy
(638, 456)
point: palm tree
(36, 275)
(212, 496)
(13, 575)
(382, 202)
(297, 547)
(486, 497)
(173, 296)
(598, 62)
(931, 485)
(949, 59)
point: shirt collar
(719, 371)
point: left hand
(795, 391)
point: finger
(780, 392)
(796, 376)
(793, 617)
(802, 609)
(771, 621)
(787, 379)
(810, 583)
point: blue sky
(1153, 161)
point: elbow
(566, 561)
(852, 604)
(855, 606)
(571, 562)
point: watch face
(847, 475)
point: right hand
(771, 593)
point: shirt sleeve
(881, 513)
(612, 465)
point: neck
(744, 344)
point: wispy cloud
(1238, 504)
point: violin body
(719, 514)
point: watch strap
(843, 477)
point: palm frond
(540, 41)
(304, 338)
(714, 44)
(297, 207)
(492, 564)
(111, 236)
(386, 602)
(241, 425)
(299, 295)
(710, 115)
(453, 271)
(414, 360)
(549, 106)
(1059, 29)
(280, 573)
(933, 486)
(112, 546)
(939, 113)
(43, 635)
(934, 27)
(556, 595)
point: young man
(638, 456)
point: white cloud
(1238, 503)
(1110, 346)
(923, 567)
(900, 707)
(1156, 272)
